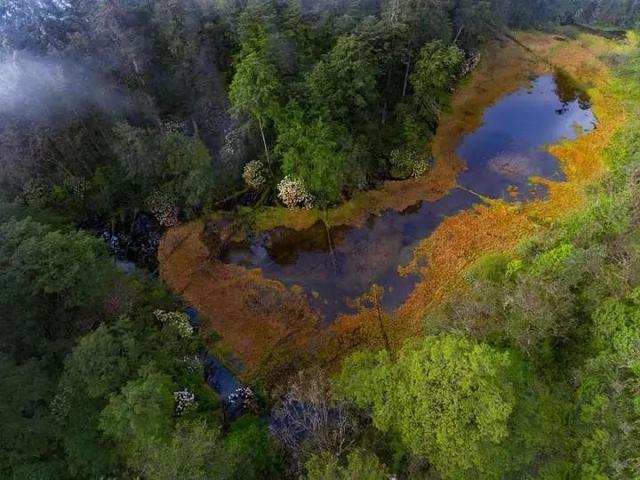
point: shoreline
(270, 340)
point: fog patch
(44, 89)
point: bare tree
(308, 419)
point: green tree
(451, 401)
(71, 269)
(52, 289)
(360, 466)
(103, 360)
(256, 88)
(193, 452)
(436, 72)
(142, 412)
(162, 172)
(419, 21)
(251, 449)
(608, 397)
(28, 432)
(51, 285)
(343, 85)
(311, 151)
(474, 20)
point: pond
(333, 266)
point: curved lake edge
(263, 337)
(464, 115)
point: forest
(123, 121)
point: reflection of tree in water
(284, 245)
(568, 91)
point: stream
(502, 157)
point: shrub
(293, 193)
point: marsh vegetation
(322, 240)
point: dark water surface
(501, 156)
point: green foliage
(194, 452)
(533, 301)
(310, 150)
(608, 397)
(55, 284)
(552, 261)
(27, 431)
(70, 269)
(544, 384)
(437, 68)
(360, 465)
(622, 13)
(421, 21)
(493, 268)
(342, 85)
(162, 171)
(250, 448)
(49, 281)
(103, 360)
(104, 389)
(451, 401)
(569, 300)
(142, 412)
(255, 87)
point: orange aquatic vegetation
(499, 227)
(268, 326)
(255, 315)
(496, 226)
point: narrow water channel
(502, 157)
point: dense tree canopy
(450, 401)
(211, 80)
(120, 119)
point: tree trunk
(264, 142)
(383, 331)
(406, 77)
(458, 35)
(386, 105)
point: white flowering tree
(254, 175)
(178, 320)
(293, 193)
(185, 401)
(162, 204)
(408, 162)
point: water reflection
(335, 264)
(508, 149)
